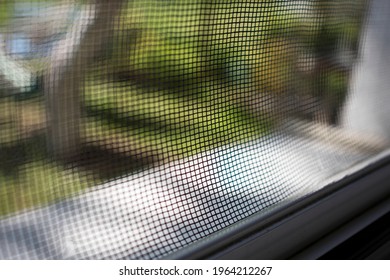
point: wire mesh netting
(131, 129)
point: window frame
(308, 227)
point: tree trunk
(64, 78)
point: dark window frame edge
(283, 233)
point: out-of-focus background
(171, 80)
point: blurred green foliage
(7, 8)
(28, 176)
(5, 11)
(256, 44)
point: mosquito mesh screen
(133, 128)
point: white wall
(367, 109)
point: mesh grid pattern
(131, 129)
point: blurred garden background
(175, 78)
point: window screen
(130, 129)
